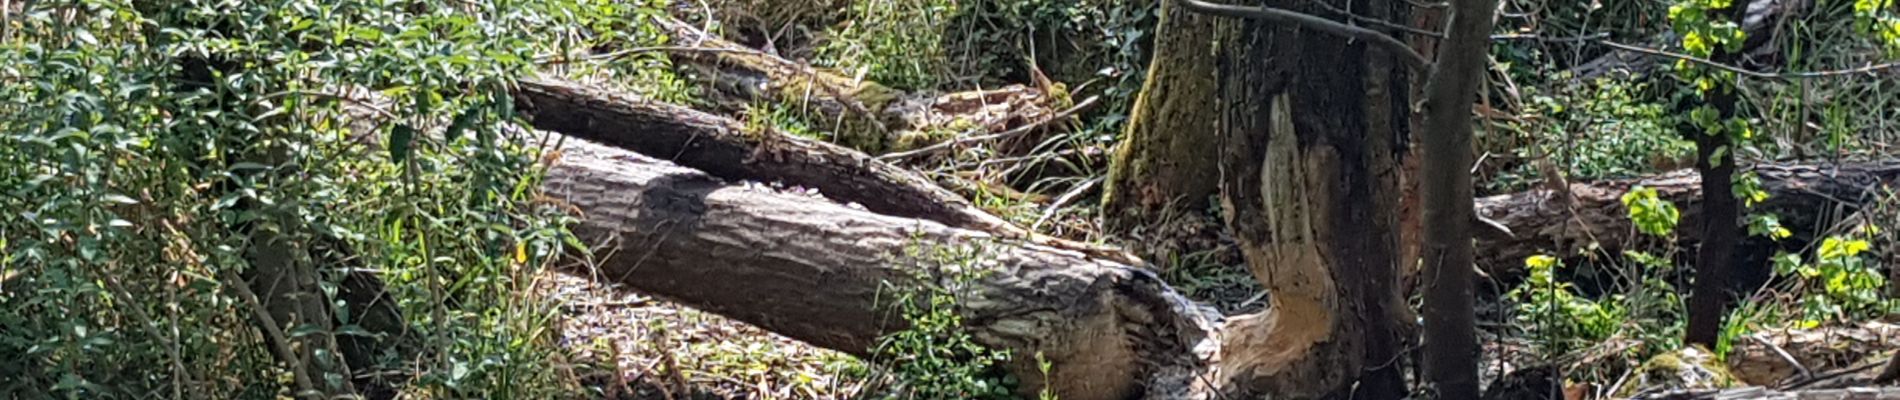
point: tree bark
(860, 114)
(824, 273)
(1169, 144)
(1316, 230)
(1451, 345)
(729, 150)
(1313, 128)
(1721, 226)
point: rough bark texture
(861, 114)
(727, 149)
(1451, 345)
(802, 266)
(1169, 145)
(1804, 196)
(1312, 138)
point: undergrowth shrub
(898, 43)
(1559, 319)
(1604, 129)
(1837, 284)
(935, 357)
(148, 153)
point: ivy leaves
(1651, 214)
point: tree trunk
(1450, 360)
(1721, 223)
(1313, 129)
(824, 273)
(1162, 165)
(281, 282)
(1317, 232)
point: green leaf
(401, 138)
(461, 123)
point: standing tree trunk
(1721, 232)
(1312, 131)
(1163, 164)
(1451, 345)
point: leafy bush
(1599, 130)
(897, 43)
(1838, 284)
(154, 157)
(1560, 320)
(935, 358)
(1650, 213)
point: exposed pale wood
(1310, 127)
(805, 267)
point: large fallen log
(728, 149)
(1808, 199)
(1541, 221)
(862, 114)
(814, 270)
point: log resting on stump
(810, 269)
(1804, 196)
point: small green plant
(1651, 213)
(898, 43)
(934, 357)
(1560, 320)
(1838, 284)
(1599, 129)
(1879, 18)
(1043, 365)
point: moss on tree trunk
(1167, 156)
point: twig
(1379, 22)
(617, 304)
(1026, 128)
(1309, 21)
(1064, 200)
(1831, 375)
(553, 59)
(1746, 72)
(299, 372)
(1803, 369)
(372, 106)
(1541, 38)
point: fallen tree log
(805, 267)
(1540, 221)
(1807, 198)
(729, 150)
(862, 114)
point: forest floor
(654, 349)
